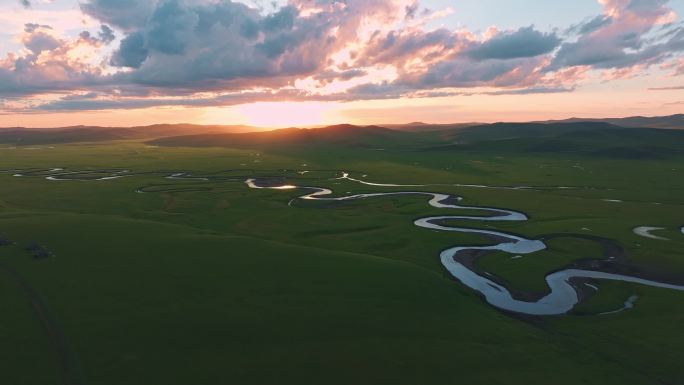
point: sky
(314, 62)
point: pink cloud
(676, 67)
(176, 51)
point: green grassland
(210, 282)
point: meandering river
(563, 290)
(563, 295)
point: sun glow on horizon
(287, 114)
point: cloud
(39, 39)
(31, 27)
(51, 64)
(170, 28)
(94, 101)
(331, 75)
(675, 66)
(182, 44)
(179, 52)
(591, 25)
(131, 53)
(124, 14)
(411, 10)
(525, 42)
(621, 37)
(671, 88)
(462, 72)
(106, 34)
(25, 3)
(401, 48)
(532, 90)
(228, 45)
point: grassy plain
(214, 283)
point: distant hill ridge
(595, 139)
(72, 134)
(671, 121)
(342, 134)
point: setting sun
(286, 114)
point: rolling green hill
(596, 139)
(585, 138)
(672, 121)
(19, 136)
(338, 135)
